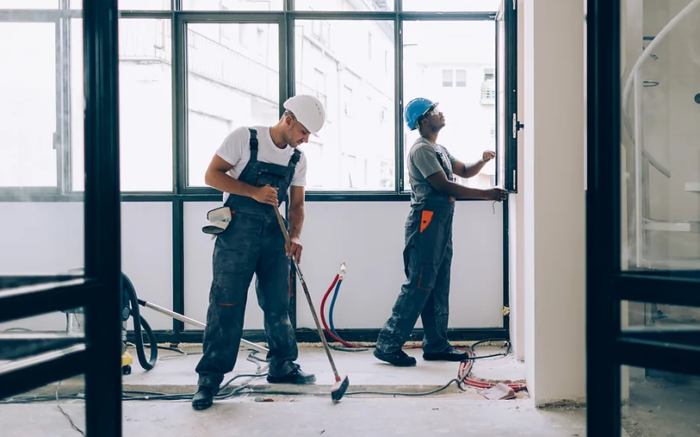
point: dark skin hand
(440, 182)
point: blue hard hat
(415, 109)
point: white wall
(368, 237)
(554, 214)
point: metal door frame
(608, 346)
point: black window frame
(180, 194)
(285, 19)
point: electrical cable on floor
(462, 379)
(72, 424)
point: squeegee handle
(308, 295)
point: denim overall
(252, 243)
(427, 260)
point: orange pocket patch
(425, 218)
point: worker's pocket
(420, 273)
(425, 218)
(427, 274)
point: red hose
(323, 317)
(465, 368)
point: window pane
(660, 193)
(233, 81)
(434, 70)
(344, 5)
(451, 5)
(29, 4)
(145, 108)
(486, 92)
(233, 5)
(145, 5)
(28, 107)
(37, 237)
(142, 5)
(355, 150)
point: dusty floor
(310, 412)
(310, 416)
(662, 405)
(174, 372)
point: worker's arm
(296, 220)
(470, 170)
(425, 160)
(217, 177)
(439, 182)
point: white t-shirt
(236, 151)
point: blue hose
(330, 312)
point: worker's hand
(496, 194)
(295, 250)
(488, 155)
(266, 194)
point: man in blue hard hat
(428, 249)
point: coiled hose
(139, 321)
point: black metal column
(102, 217)
(603, 218)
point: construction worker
(428, 241)
(254, 168)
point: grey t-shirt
(423, 162)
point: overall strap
(253, 145)
(295, 158)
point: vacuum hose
(139, 321)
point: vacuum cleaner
(130, 308)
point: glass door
(643, 211)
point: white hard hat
(308, 110)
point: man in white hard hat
(255, 168)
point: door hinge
(506, 311)
(516, 125)
(515, 5)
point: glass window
(29, 4)
(233, 81)
(660, 192)
(447, 78)
(145, 5)
(232, 5)
(451, 5)
(461, 78)
(344, 5)
(31, 119)
(433, 70)
(358, 139)
(145, 107)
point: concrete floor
(662, 404)
(310, 416)
(311, 412)
(174, 373)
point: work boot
(204, 397)
(398, 358)
(296, 376)
(450, 355)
